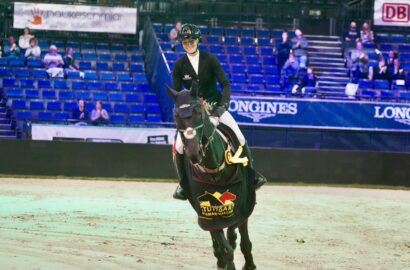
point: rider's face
(190, 45)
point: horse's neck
(214, 153)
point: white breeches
(226, 119)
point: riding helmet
(189, 31)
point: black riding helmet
(189, 31)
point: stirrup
(180, 194)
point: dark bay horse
(219, 186)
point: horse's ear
(172, 93)
(194, 89)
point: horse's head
(189, 116)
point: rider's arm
(223, 81)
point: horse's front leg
(246, 247)
(221, 263)
(225, 248)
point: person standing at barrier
(99, 115)
(204, 69)
(299, 48)
(80, 113)
(283, 50)
(24, 40)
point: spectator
(69, 62)
(379, 72)
(350, 36)
(299, 47)
(289, 72)
(34, 51)
(306, 79)
(366, 35)
(24, 40)
(173, 35)
(394, 70)
(359, 63)
(98, 114)
(54, 63)
(80, 113)
(11, 50)
(283, 50)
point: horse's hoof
(249, 267)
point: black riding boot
(259, 179)
(179, 164)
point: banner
(45, 132)
(392, 12)
(75, 18)
(326, 114)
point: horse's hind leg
(232, 236)
(225, 248)
(221, 263)
(246, 247)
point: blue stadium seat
(117, 47)
(216, 48)
(203, 29)
(123, 76)
(382, 37)
(252, 59)
(117, 118)
(397, 38)
(89, 106)
(263, 33)
(6, 72)
(236, 87)
(121, 57)
(237, 68)
(269, 60)
(276, 33)
(139, 77)
(23, 115)
(115, 96)
(264, 42)
(273, 88)
(60, 84)
(43, 84)
(104, 56)
(90, 56)
(78, 85)
(34, 63)
(107, 76)
(153, 108)
(73, 75)
(70, 105)
(87, 46)
(270, 70)
(54, 105)
(221, 57)
(216, 30)
(266, 51)
(255, 87)
(364, 84)
(32, 93)
(247, 32)
(9, 82)
(226, 68)
(4, 62)
(142, 87)
(249, 50)
(22, 73)
(90, 75)
(154, 118)
(271, 79)
(247, 41)
(45, 116)
(127, 87)
(381, 84)
(232, 31)
(27, 83)
(171, 56)
(235, 58)
(121, 108)
(95, 85)
(233, 49)
(101, 66)
(137, 67)
(239, 78)
(137, 108)
(111, 86)
(165, 46)
(137, 58)
(256, 79)
(157, 27)
(118, 67)
(107, 107)
(385, 47)
(254, 69)
(387, 94)
(37, 105)
(49, 94)
(65, 95)
(61, 116)
(102, 46)
(16, 63)
(85, 65)
(39, 73)
(398, 85)
(405, 95)
(132, 48)
(212, 39)
(82, 95)
(136, 118)
(100, 96)
(14, 93)
(368, 93)
(150, 97)
(369, 46)
(404, 48)
(131, 97)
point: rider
(205, 69)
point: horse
(219, 185)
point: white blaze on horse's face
(189, 133)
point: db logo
(396, 12)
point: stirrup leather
(235, 159)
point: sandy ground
(75, 224)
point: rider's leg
(179, 164)
(227, 119)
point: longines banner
(392, 12)
(321, 114)
(75, 18)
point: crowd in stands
(358, 47)
(98, 115)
